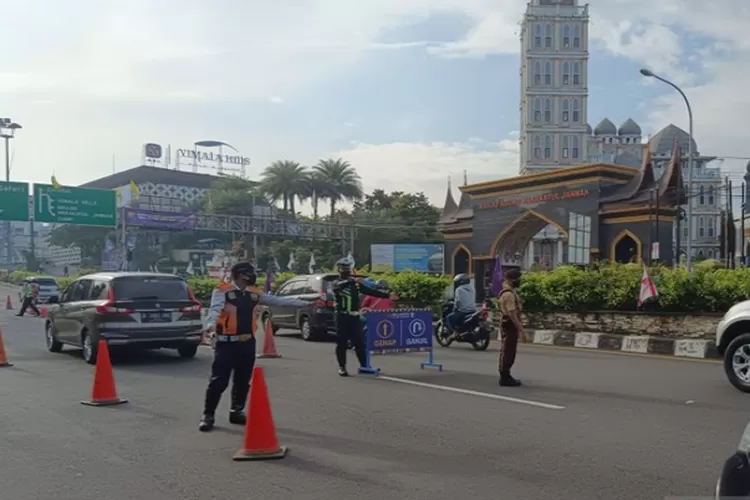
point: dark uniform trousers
(508, 345)
(235, 360)
(349, 328)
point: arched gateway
(590, 212)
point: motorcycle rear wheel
(481, 345)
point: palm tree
(316, 190)
(339, 180)
(285, 180)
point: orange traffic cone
(8, 304)
(43, 312)
(3, 357)
(269, 344)
(104, 392)
(260, 442)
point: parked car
(733, 343)
(48, 288)
(315, 321)
(141, 310)
(734, 481)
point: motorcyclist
(347, 293)
(464, 301)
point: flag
(270, 278)
(497, 277)
(311, 265)
(189, 270)
(648, 288)
(290, 264)
(55, 185)
(134, 190)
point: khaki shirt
(509, 302)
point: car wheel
(188, 350)
(53, 345)
(308, 332)
(90, 349)
(737, 362)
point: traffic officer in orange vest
(232, 320)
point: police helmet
(244, 269)
(344, 264)
(461, 279)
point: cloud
(408, 166)
(276, 100)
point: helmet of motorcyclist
(344, 267)
(370, 283)
(382, 284)
(461, 279)
(244, 271)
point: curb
(639, 344)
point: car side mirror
(53, 300)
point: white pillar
(559, 257)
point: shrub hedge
(707, 288)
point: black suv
(315, 320)
(144, 310)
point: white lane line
(487, 395)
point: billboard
(161, 220)
(422, 257)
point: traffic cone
(269, 344)
(104, 392)
(260, 442)
(8, 304)
(3, 357)
(43, 312)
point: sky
(410, 92)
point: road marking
(469, 392)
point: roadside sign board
(74, 205)
(14, 201)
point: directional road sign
(74, 205)
(14, 201)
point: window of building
(576, 150)
(537, 110)
(565, 110)
(566, 37)
(701, 227)
(576, 73)
(548, 36)
(565, 146)
(577, 36)
(701, 196)
(548, 73)
(537, 147)
(537, 73)
(566, 73)
(547, 110)
(579, 239)
(576, 110)
(710, 254)
(710, 195)
(548, 146)
(538, 36)
(711, 227)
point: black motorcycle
(474, 330)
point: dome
(605, 127)
(629, 127)
(588, 129)
(662, 143)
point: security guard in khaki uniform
(511, 327)
(232, 320)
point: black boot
(343, 372)
(207, 423)
(237, 416)
(507, 380)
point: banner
(162, 220)
(422, 257)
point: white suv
(733, 343)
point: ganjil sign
(200, 156)
(532, 200)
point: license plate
(156, 317)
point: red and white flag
(648, 288)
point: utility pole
(7, 131)
(742, 223)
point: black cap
(512, 274)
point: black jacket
(348, 293)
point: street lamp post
(689, 245)
(7, 131)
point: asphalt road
(588, 426)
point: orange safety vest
(239, 311)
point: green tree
(316, 190)
(339, 182)
(233, 195)
(285, 181)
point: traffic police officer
(232, 320)
(347, 293)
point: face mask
(345, 273)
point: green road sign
(14, 201)
(73, 205)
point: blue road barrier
(399, 331)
